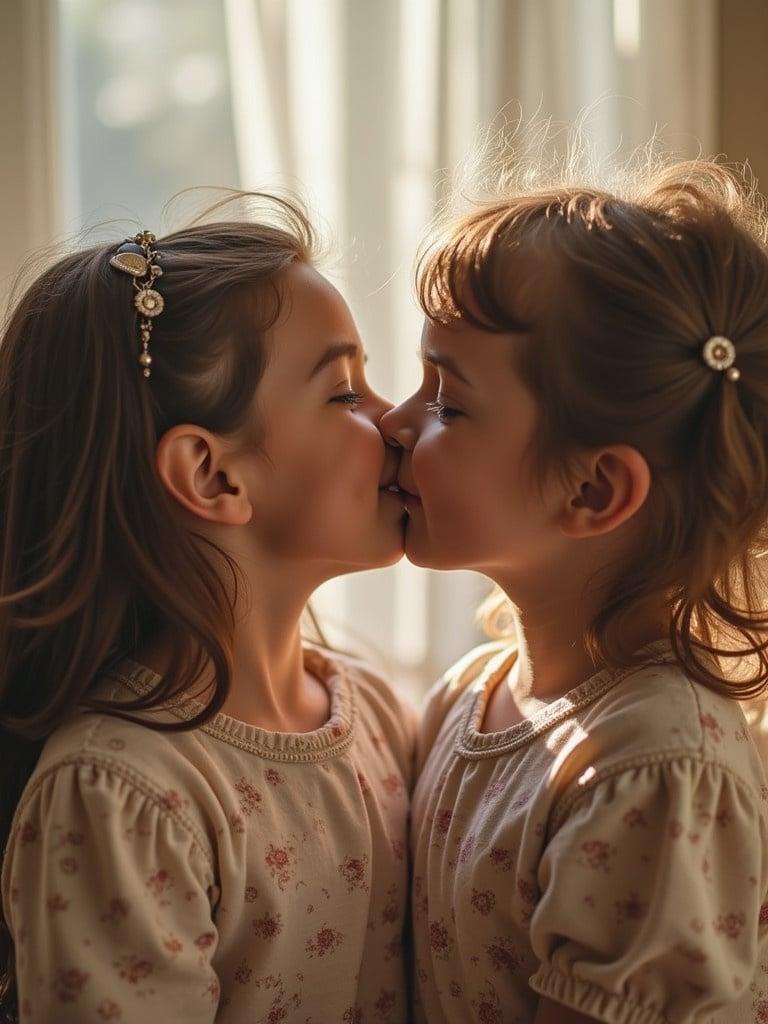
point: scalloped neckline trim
(330, 740)
(472, 743)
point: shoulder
(89, 805)
(123, 762)
(381, 706)
(657, 717)
(129, 747)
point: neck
(269, 687)
(550, 636)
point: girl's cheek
(432, 445)
(361, 448)
(370, 440)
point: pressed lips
(407, 493)
(390, 486)
(389, 482)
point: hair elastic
(137, 258)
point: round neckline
(331, 739)
(473, 744)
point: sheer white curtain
(362, 102)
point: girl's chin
(388, 553)
(420, 552)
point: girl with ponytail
(590, 829)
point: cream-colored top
(224, 873)
(609, 852)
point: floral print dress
(222, 874)
(609, 852)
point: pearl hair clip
(719, 353)
(137, 258)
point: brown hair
(612, 298)
(92, 561)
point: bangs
(472, 271)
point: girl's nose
(397, 429)
(379, 407)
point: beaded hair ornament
(137, 258)
(719, 353)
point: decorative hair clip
(137, 258)
(720, 354)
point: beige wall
(744, 84)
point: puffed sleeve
(652, 886)
(107, 896)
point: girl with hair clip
(203, 817)
(590, 827)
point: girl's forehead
(308, 295)
(315, 328)
(461, 345)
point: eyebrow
(447, 363)
(344, 350)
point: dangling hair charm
(137, 258)
(719, 353)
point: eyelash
(443, 412)
(350, 398)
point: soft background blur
(109, 107)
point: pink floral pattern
(268, 926)
(635, 818)
(440, 939)
(133, 969)
(712, 726)
(69, 984)
(250, 797)
(501, 955)
(502, 858)
(596, 854)
(29, 833)
(325, 941)
(116, 912)
(281, 862)
(354, 871)
(483, 902)
(730, 925)
(631, 909)
(108, 1009)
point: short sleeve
(652, 887)
(107, 897)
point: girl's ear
(614, 484)
(194, 468)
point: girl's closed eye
(350, 398)
(443, 412)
